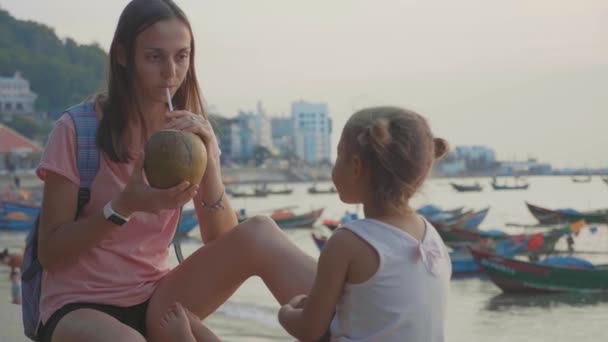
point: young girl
(385, 277)
(108, 280)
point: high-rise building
(247, 131)
(312, 131)
(282, 135)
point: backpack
(87, 158)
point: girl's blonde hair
(397, 147)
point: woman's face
(162, 59)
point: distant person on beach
(12, 260)
(15, 287)
(105, 274)
(385, 277)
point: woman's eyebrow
(156, 49)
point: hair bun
(441, 147)
(380, 132)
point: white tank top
(406, 299)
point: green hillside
(60, 72)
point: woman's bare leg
(208, 277)
(94, 326)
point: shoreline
(252, 176)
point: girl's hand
(297, 302)
(186, 121)
(139, 196)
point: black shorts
(133, 316)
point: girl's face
(346, 175)
(162, 59)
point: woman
(109, 282)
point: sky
(528, 78)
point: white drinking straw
(169, 100)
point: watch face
(116, 220)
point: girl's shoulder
(343, 241)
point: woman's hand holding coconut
(139, 196)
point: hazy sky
(526, 77)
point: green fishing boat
(457, 238)
(512, 275)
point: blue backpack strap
(87, 155)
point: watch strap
(113, 216)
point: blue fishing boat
(7, 207)
(12, 225)
(187, 222)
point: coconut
(173, 157)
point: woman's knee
(261, 234)
(260, 226)
(93, 325)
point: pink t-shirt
(124, 268)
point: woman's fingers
(186, 195)
(175, 196)
(178, 189)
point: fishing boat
(16, 225)
(458, 238)
(510, 187)
(331, 224)
(517, 186)
(583, 179)
(467, 220)
(255, 193)
(463, 263)
(7, 207)
(286, 191)
(264, 188)
(467, 187)
(287, 219)
(313, 190)
(448, 215)
(554, 274)
(558, 216)
(187, 222)
(430, 210)
(436, 216)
